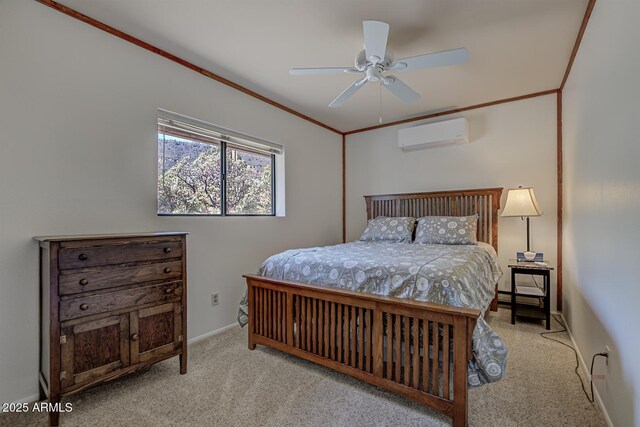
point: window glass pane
(249, 189)
(188, 176)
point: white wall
(512, 144)
(602, 194)
(78, 140)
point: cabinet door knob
(84, 306)
(83, 257)
(84, 282)
(167, 269)
(167, 250)
(168, 290)
(134, 337)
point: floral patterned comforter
(456, 275)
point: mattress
(456, 275)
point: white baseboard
(585, 369)
(28, 399)
(212, 333)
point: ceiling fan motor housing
(362, 63)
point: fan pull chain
(380, 116)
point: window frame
(223, 186)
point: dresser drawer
(70, 258)
(73, 281)
(88, 305)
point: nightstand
(544, 294)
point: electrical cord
(593, 359)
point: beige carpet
(228, 385)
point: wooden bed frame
(346, 331)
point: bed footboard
(415, 349)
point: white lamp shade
(521, 202)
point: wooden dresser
(109, 305)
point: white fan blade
(348, 93)
(401, 90)
(322, 70)
(375, 40)
(430, 60)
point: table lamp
(522, 202)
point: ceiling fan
(375, 60)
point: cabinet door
(156, 332)
(93, 349)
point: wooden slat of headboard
(485, 202)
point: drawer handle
(84, 306)
(167, 250)
(84, 282)
(83, 257)
(168, 290)
(134, 337)
(167, 269)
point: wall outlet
(215, 298)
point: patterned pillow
(389, 229)
(447, 230)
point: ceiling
(516, 47)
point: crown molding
(576, 46)
(453, 111)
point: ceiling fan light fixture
(374, 74)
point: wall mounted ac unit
(437, 134)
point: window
(208, 170)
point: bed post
(495, 205)
(494, 301)
(252, 319)
(460, 357)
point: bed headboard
(485, 202)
